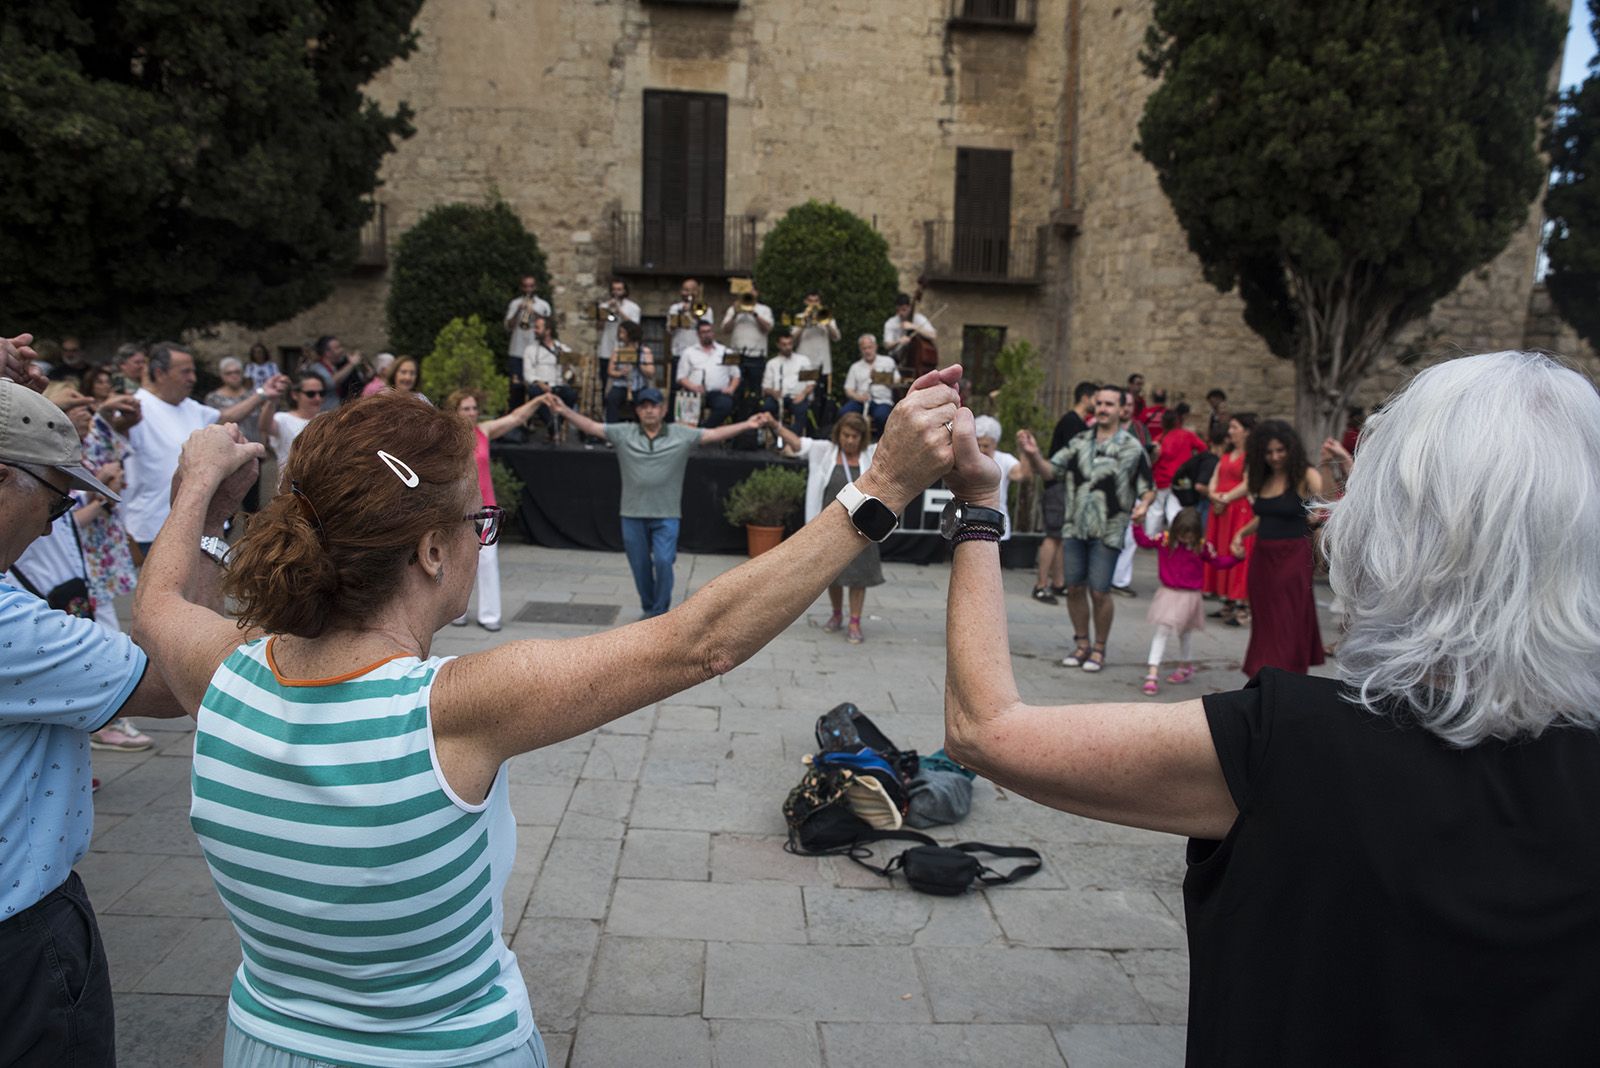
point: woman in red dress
(1230, 511)
(1282, 483)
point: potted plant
(763, 503)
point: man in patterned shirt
(61, 677)
(1105, 476)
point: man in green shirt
(652, 455)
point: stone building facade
(872, 104)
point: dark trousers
(616, 397)
(878, 413)
(545, 415)
(715, 408)
(797, 411)
(55, 989)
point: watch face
(874, 519)
(950, 519)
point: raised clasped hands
(218, 461)
(917, 446)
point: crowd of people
(1416, 821)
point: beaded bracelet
(976, 534)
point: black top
(1068, 427)
(1282, 517)
(1384, 898)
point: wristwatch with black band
(872, 517)
(960, 518)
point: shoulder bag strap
(988, 876)
(858, 849)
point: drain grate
(584, 615)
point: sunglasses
(310, 392)
(63, 502)
(487, 523)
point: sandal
(1076, 657)
(1096, 658)
(853, 636)
(1238, 619)
(835, 623)
(1150, 687)
(1183, 674)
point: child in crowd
(1176, 607)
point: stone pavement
(656, 916)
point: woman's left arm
(1136, 764)
(177, 608)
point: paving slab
(1044, 986)
(1086, 919)
(941, 1045)
(817, 983)
(648, 977)
(706, 911)
(769, 1043)
(1100, 1046)
(659, 1041)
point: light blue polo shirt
(61, 677)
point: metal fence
(649, 244)
(997, 254)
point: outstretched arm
(730, 430)
(584, 424)
(1138, 764)
(494, 428)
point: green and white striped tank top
(366, 894)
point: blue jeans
(1087, 561)
(652, 548)
(878, 413)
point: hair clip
(401, 469)
(311, 509)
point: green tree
(460, 259)
(1345, 165)
(823, 246)
(1573, 202)
(460, 358)
(172, 164)
(1016, 402)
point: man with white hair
(76, 677)
(869, 384)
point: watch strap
(217, 549)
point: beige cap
(35, 433)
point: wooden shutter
(981, 243)
(685, 178)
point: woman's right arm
(584, 424)
(527, 694)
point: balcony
(718, 247)
(1018, 16)
(372, 249)
(987, 255)
(725, 4)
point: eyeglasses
(310, 392)
(487, 523)
(63, 502)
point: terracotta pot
(762, 538)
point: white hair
(381, 362)
(229, 363)
(1466, 551)
(986, 426)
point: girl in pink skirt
(1176, 608)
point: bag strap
(27, 584)
(988, 876)
(858, 849)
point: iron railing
(994, 14)
(372, 252)
(649, 244)
(1009, 255)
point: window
(685, 177)
(983, 212)
(979, 347)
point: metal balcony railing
(1008, 255)
(372, 252)
(1019, 15)
(719, 246)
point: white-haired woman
(989, 432)
(229, 398)
(1397, 866)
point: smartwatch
(872, 517)
(959, 517)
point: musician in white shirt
(523, 307)
(682, 320)
(816, 338)
(782, 390)
(702, 370)
(905, 324)
(747, 326)
(624, 310)
(541, 369)
(875, 399)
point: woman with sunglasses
(279, 428)
(465, 403)
(350, 786)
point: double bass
(918, 355)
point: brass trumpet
(606, 311)
(818, 316)
(525, 314)
(747, 302)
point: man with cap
(652, 455)
(61, 677)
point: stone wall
(863, 102)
